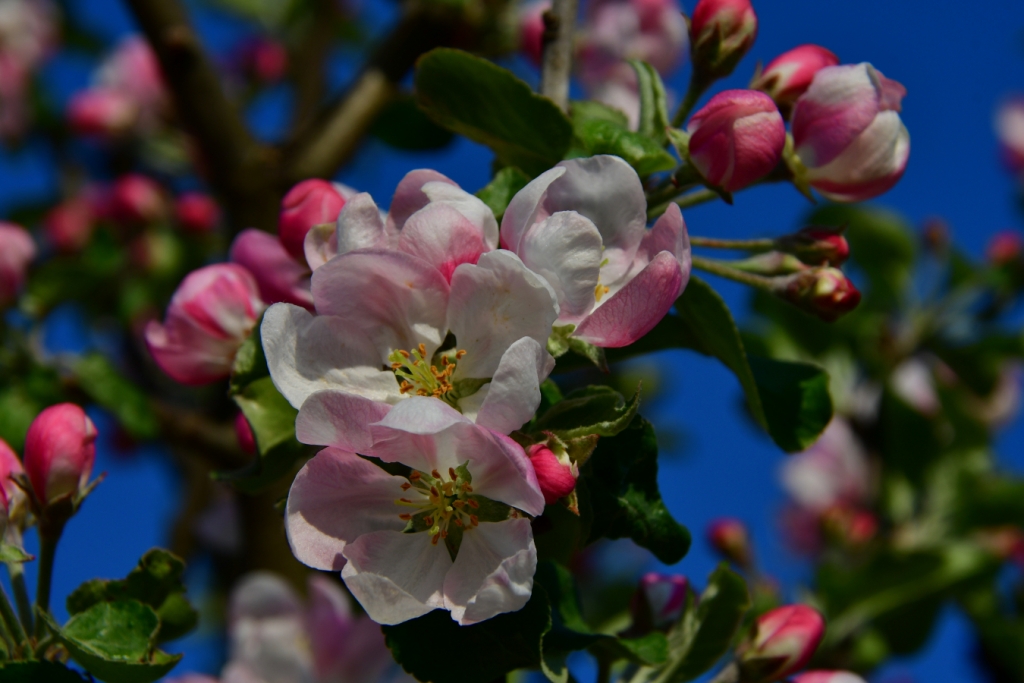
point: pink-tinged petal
(395, 299)
(193, 678)
(321, 244)
(333, 418)
(494, 304)
(396, 576)
(470, 206)
(871, 165)
(266, 629)
(262, 595)
(360, 225)
(827, 677)
(669, 234)
(307, 354)
(839, 104)
(280, 277)
(527, 208)
(565, 249)
(834, 471)
(493, 572)
(409, 196)
(236, 672)
(337, 497)
(16, 252)
(443, 237)
(636, 308)
(501, 471)
(309, 203)
(513, 395)
(788, 76)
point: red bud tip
(825, 292)
(783, 641)
(243, 430)
(60, 451)
(556, 476)
(1004, 248)
(730, 538)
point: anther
(473, 504)
(406, 486)
(451, 473)
(415, 475)
(474, 520)
(459, 354)
(404, 353)
(423, 350)
(435, 474)
(405, 516)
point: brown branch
(192, 433)
(559, 27)
(308, 60)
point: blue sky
(956, 64)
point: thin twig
(556, 69)
(213, 442)
(724, 270)
(745, 245)
(684, 202)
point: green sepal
(588, 411)
(499, 192)
(12, 553)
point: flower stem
(723, 269)
(556, 69)
(745, 245)
(47, 552)
(697, 87)
(17, 573)
(12, 625)
(684, 202)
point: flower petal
(494, 304)
(360, 225)
(337, 497)
(526, 208)
(442, 236)
(267, 629)
(514, 393)
(871, 165)
(307, 353)
(279, 276)
(668, 234)
(839, 104)
(320, 244)
(636, 308)
(395, 299)
(565, 249)
(493, 572)
(470, 206)
(334, 418)
(409, 196)
(396, 576)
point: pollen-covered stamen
(441, 500)
(600, 290)
(417, 376)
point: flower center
(440, 503)
(417, 376)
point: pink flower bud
(309, 203)
(827, 677)
(721, 32)
(1004, 247)
(16, 251)
(789, 75)
(197, 212)
(816, 246)
(730, 538)
(59, 452)
(782, 642)
(849, 526)
(136, 200)
(736, 138)
(1010, 131)
(265, 60)
(210, 315)
(102, 111)
(10, 492)
(659, 600)
(848, 134)
(531, 30)
(279, 276)
(243, 430)
(556, 476)
(69, 225)
(825, 292)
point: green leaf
(797, 403)
(250, 361)
(706, 630)
(654, 119)
(481, 652)
(114, 641)
(156, 582)
(499, 192)
(596, 410)
(490, 105)
(103, 383)
(12, 553)
(38, 672)
(588, 110)
(403, 125)
(646, 156)
(620, 484)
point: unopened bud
(658, 602)
(197, 212)
(555, 475)
(16, 251)
(309, 203)
(136, 200)
(730, 538)
(825, 292)
(827, 677)
(816, 246)
(721, 33)
(59, 452)
(789, 75)
(264, 60)
(782, 642)
(243, 430)
(10, 465)
(770, 263)
(102, 111)
(68, 226)
(1004, 248)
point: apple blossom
(816, 245)
(789, 75)
(1004, 248)
(28, 33)
(731, 539)
(59, 452)
(913, 382)
(197, 212)
(278, 275)
(449, 535)
(16, 252)
(782, 642)
(1009, 126)
(848, 135)
(309, 203)
(12, 497)
(832, 472)
(102, 111)
(581, 226)
(659, 600)
(736, 138)
(555, 475)
(68, 227)
(827, 677)
(212, 312)
(136, 199)
(722, 32)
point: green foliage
(602, 136)
(654, 118)
(403, 125)
(103, 383)
(596, 410)
(797, 404)
(38, 672)
(490, 105)
(499, 192)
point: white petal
(565, 249)
(320, 244)
(493, 572)
(514, 393)
(267, 629)
(307, 353)
(396, 576)
(333, 418)
(493, 304)
(360, 225)
(468, 205)
(335, 498)
(499, 466)
(417, 432)
(527, 208)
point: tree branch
(215, 443)
(559, 26)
